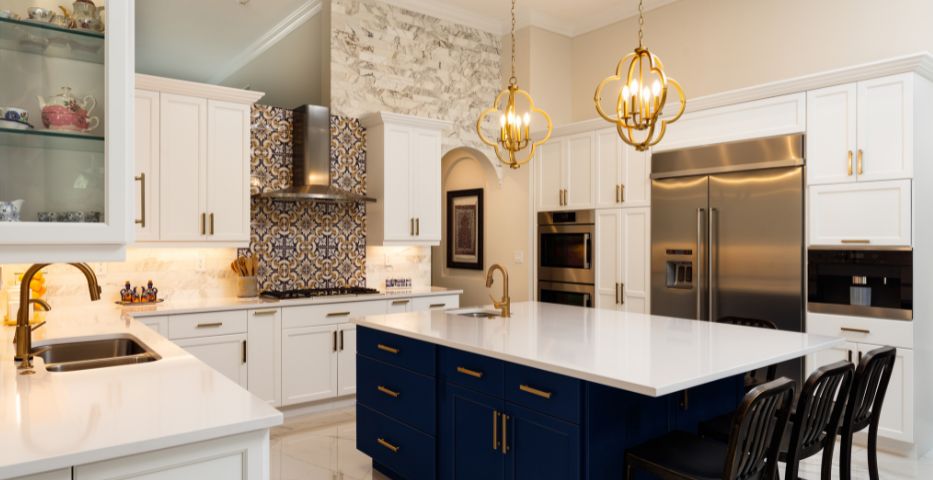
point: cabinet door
(549, 172)
(398, 175)
(426, 184)
(226, 354)
(608, 250)
(847, 351)
(309, 364)
(831, 130)
(541, 447)
(636, 177)
(56, 475)
(635, 256)
(472, 441)
(897, 411)
(885, 127)
(346, 359)
(146, 214)
(182, 162)
(578, 172)
(263, 355)
(868, 213)
(227, 189)
(608, 171)
(159, 324)
(399, 305)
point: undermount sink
(96, 353)
(477, 313)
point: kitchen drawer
(396, 350)
(402, 449)
(207, 324)
(469, 370)
(401, 394)
(330, 314)
(437, 302)
(896, 333)
(546, 392)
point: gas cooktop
(318, 292)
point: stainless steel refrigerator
(727, 237)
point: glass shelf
(52, 41)
(52, 140)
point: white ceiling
(568, 17)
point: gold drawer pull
(210, 325)
(472, 373)
(386, 348)
(855, 330)
(495, 430)
(259, 313)
(388, 392)
(856, 240)
(437, 305)
(401, 302)
(388, 445)
(849, 170)
(338, 314)
(534, 391)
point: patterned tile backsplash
(306, 244)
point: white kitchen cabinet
(226, 196)
(436, 302)
(309, 364)
(158, 323)
(183, 146)
(224, 353)
(862, 213)
(264, 355)
(622, 246)
(578, 172)
(346, 359)
(404, 175)
(549, 182)
(621, 174)
(147, 165)
(861, 131)
(399, 305)
(237, 457)
(64, 474)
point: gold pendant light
(642, 97)
(513, 144)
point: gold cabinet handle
(210, 325)
(401, 302)
(263, 313)
(617, 194)
(411, 227)
(505, 434)
(850, 163)
(335, 340)
(860, 162)
(622, 293)
(535, 391)
(389, 392)
(341, 340)
(244, 351)
(495, 430)
(203, 224)
(467, 371)
(855, 330)
(621, 193)
(417, 226)
(855, 240)
(212, 223)
(437, 305)
(338, 314)
(617, 294)
(386, 348)
(388, 445)
(141, 221)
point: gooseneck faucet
(505, 304)
(23, 337)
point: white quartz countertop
(57, 420)
(216, 304)
(647, 354)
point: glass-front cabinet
(66, 98)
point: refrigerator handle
(700, 262)
(713, 251)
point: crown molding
(433, 8)
(612, 15)
(274, 35)
(196, 89)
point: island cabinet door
(471, 435)
(540, 446)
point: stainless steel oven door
(566, 293)
(565, 253)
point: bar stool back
(759, 425)
(864, 408)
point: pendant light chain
(512, 79)
(641, 23)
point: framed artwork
(465, 229)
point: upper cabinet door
(578, 172)
(183, 160)
(864, 213)
(227, 189)
(831, 132)
(426, 184)
(147, 165)
(609, 167)
(399, 220)
(636, 177)
(886, 128)
(549, 173)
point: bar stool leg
(845, 456)
(873, 451)
(826, 472)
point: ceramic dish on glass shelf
(14, 125)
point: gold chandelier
(513, 144)
(642, 98)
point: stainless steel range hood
(311, 168)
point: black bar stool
(864, 408)
(754, 377)
(751, 452)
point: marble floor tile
(323, 447)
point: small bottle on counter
(126, 293)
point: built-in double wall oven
(565, 257)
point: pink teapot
(67, 112)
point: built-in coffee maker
(868, 283)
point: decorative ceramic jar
(67, 112)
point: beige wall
(711, 46)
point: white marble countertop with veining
(647, 354)
(56, 420)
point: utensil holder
(247, 287)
